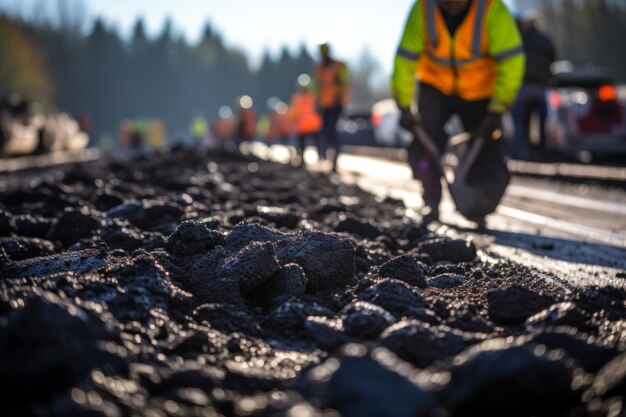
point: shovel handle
(472, 154)
(427, 143)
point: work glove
(491, 124)
(408, 119)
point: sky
(255, 26)
(349, 25)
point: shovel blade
(477, 191)
(474, 201)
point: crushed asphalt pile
(205, 284)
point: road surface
(566, 230)
(574, 232)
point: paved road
(576, 233)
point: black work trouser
(301, 142)
(435, 109)
(329, 137)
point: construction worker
(246, 125)
(277, 127)
(224, 127)
(123, 134)
(156, 133)
(540, 55)
(470, 62)
(331, 77)
(138, 135)
(198, 129)
(302, 113)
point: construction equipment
(480, 177)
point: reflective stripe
(431, 7)
(468, 60)
(404, 53)
(478, 27)
(509, 54)
(447, 62)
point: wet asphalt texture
(191, 283)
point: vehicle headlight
(579, 97)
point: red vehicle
(586, 115)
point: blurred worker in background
(156, 133)
(277, 126)
(123, 134)
(540, 55)
(247, 120)
(470, 62)
(138, 132)
(306, 120)
(198, 129)
(224, 127)
(331, 77)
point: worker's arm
(409, 51)
(505, 46)
(343, 75)
(343, 84)
(317, 85)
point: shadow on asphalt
(567, 250)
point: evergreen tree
(22, 65)
(163, 77)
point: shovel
(480, 177)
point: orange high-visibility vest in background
(224, 128)
(332, 88)
(460, 65)
(247, 123)
(302, 113)
(279, 126)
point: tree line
(99, 73)
(95, 70)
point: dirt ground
(189, 283)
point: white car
(385, 120)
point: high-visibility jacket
(279, 126)
(302, 112)
(224, 128)
(156, 133)
(198, 128)
(484, 59)
(332, 84)
(247, 124)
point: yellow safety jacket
(332, 84)
(484, 59)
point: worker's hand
(491, 126)
(408, 119)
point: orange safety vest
(302, 112)
(224, 128)
(332, 90)
(460, 65)
(247, 123)
(279, 128)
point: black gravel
(195, 284)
